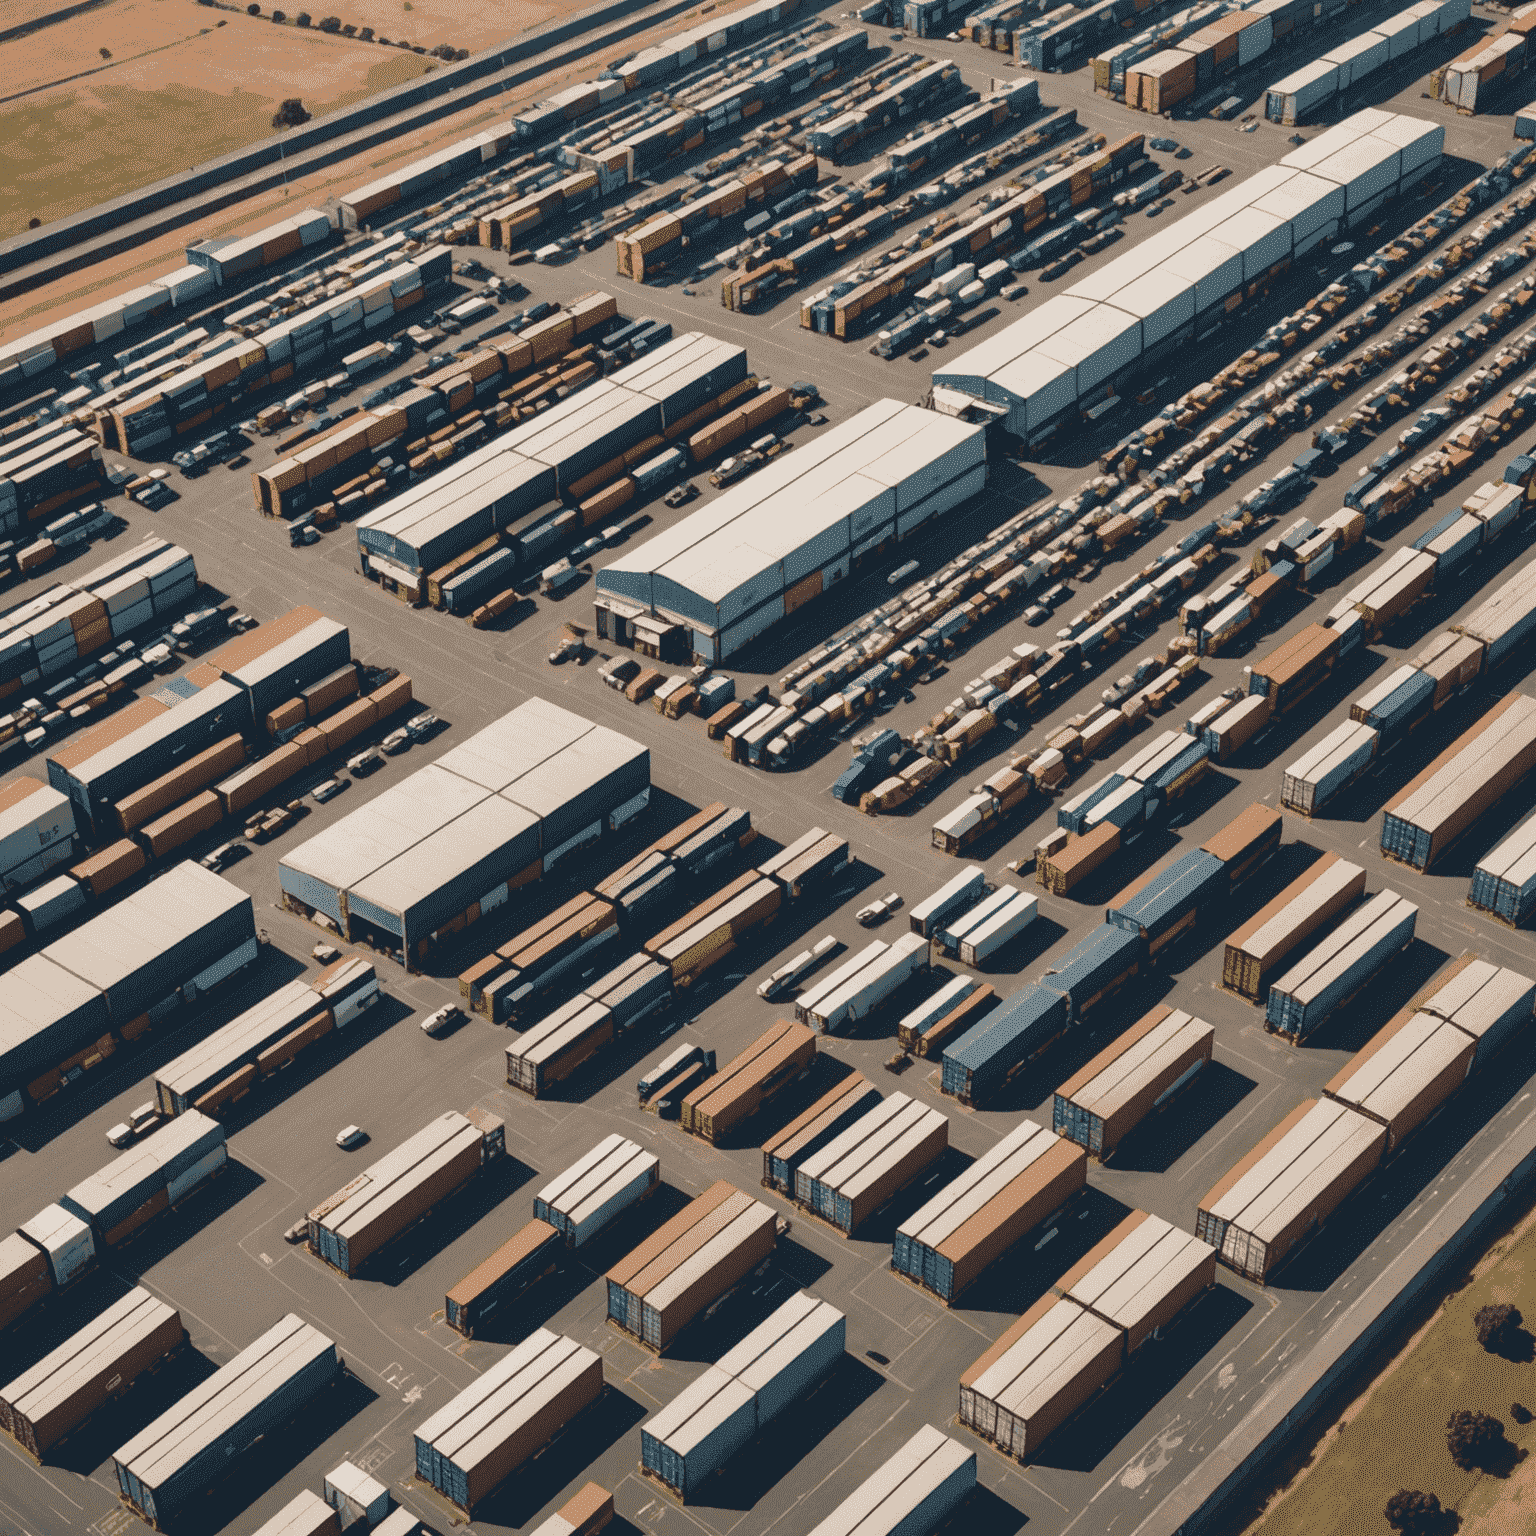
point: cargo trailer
(1476, 771)
(97, 1363)
(403, 1186)
(1038, 1374)
(65, 1241)
(553, 1049)
(306, 1514)
(1294, 669)
(1324, 770)
(1005, 923)
(850, 1178)
(814, 1128)
(531, 1253)
(1258, 1212)
(954, 896)
(838, 978)
(735, 1399)
(1254, 952)
(912, 1494)
(663, 1077)
(976, 1218)
(1246, 843)
(1306, 996)
(998, 1047)
(588, 1511)
(1095, 969)
(510, 1413)
(597, 1188)
(173, 1459)
(1168, 903)
(873, 984)
(707, 1249)
(1404, 1073)
(1133, 1077)
(25, 1276)
(1140, 1277)
(1486, 1001)
(749, 1081)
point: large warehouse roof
(798, 514)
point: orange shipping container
(207, 767)
(111, 866)
(198, 815)
(391, 697)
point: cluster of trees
(333, 24)
(290, 114)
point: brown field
(78, 290)
(14, 12)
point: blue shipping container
(1108, 956)
(991, 1052)
(1181, 892)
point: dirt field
(1393, 1435)
(186, 84)
(80, 289)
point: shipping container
(708, 1248)
(1486, 1001)
(870, 987)
(25, 1277)
(749, 1081)
(1504, 880)
(528, 1255)
(597, 1188)
(585, 1513)
(553, 1049)
(1094, 969)
(976, 1218)
(1477, 770)
(1169, 903)
(1325, 770)
(403, 1186)
(850, 1178)
(933, 1021)
(1404, 1073)
(1140, 1277)
(1003, 1044)
(99, 1362)
(1329, 888)
(1295, 668)
(1247, 843)
(1005, 923)
(511, 1412)
(1304, 997)
(735, 1399)
(1132, 1077)
(306, 1514)
(956, 894)
(1296, 1177)
(911, 1494)
(165, 1465)
(814, 1128)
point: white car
(350, 1136)
(120, 1134)
(878, 911)
(444, 1019)
(396, 741)
(328, 789)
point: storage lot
(222, 1260)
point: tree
(331, 24)
(1497, 1325)
(1413, 1513)
(106, 53)
(303, 19)
(290, 114)
(279, 17)
(1472, 1437)
(253, 10)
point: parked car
(442, 1020)
(567, 649)
(326, 954)
(298, 1232)
(395, 742)
(365, 763)
(902, 573)
(618, 673)
(120, 1135)
(680, 495)
(328, 789)
(223, 856)
(350, 1136)
(423, 727)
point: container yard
(636, 808)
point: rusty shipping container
(749, 1081)
(1308, 904)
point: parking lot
(222, 1258)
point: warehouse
(1328, 889)
(1307, 994)
(391, 1194)
(541, 459)
(1140, 1277)
(1290, 1183)
(169, 942)
(148, 1178)
(911, 1494)
(771, 544)
(510, 1413)
(883, 1151)
(99, 1362)
(748, 1081)
(1423, 819)
(145, 740)
(596, 1188)
(1001, 1045)
(182, 1451)
(1486, 1001)
(276, 661)
(947, 1244)
(742, 1393)
(223, 1065)
(37, 831)
(711, 1245)
(1131, 1078)
(1177, 285)
(814, 1127)
(1404, 1073)
(452, 840)
(528, 1255)
(1504, 881)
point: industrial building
(452, 841)
(37, 831)
(1174, 287)
(550, 456)
(766, 547)
(169, 942)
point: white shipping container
(1002, 926)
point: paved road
(223, 1261)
